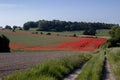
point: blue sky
(17, 12)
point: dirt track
(107, 74)
(11, 62)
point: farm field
(23, 40)
(58, 70)
(21, 61)
(63, 62)
(103, 33)
(60, 40)
(66, 51)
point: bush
(74, 35)
(34, 32)
(48, 33)
(112, 43)
(115, 37)
(90, 32)
(41, 33)
(4, 44)
(58, 34)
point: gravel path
(11, 62)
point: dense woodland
(59, 26)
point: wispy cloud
(9, 5)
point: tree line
(59, 26)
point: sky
(17, 12)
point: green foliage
(93, 69)
(29, 25)
(48, 34)
(59, 26)
(34, 32)
(74, 35)
(112, 43)
(90, 32)
(41, 33)
(117, 34)
(103, 33)
(51, 70)
(35, 40)
(16, 27)
(112, 31)
(115, 37)
(8, 27)
(4, 44)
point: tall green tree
(29, 25)
(8, 27)
(112, 31)
(115, 37)
(4, 44)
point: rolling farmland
(69, 49)
(10, 63)
(60, 40)
(37, 42)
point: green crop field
(34, 39)
(102, 32)
(19, 40)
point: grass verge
(114, 60)
(51, 70)
(93, 69)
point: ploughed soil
(11, 62)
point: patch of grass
(114, 60)
(34, 40)
(93, 69)
(103, 32)
(33, 29)
(51, 70)
(19, 37)
(64, 33)
(22, 50)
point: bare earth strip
(11, 62)
(108, 74)
(75, 74)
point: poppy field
(27, 41)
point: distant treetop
(57, 25)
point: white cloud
(9, 5)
